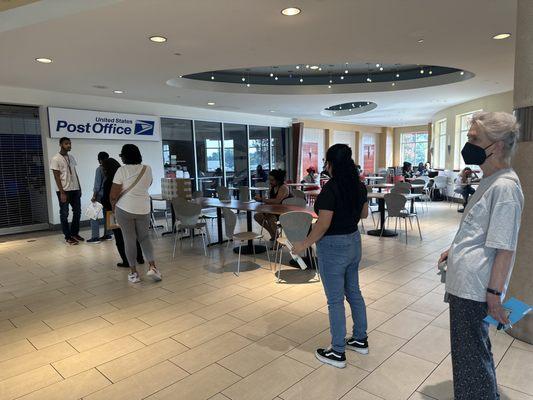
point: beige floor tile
(142, 384)
(35, 359)
(443, 320)
(139, 298)
(359, 394)
(431, 303)
(135, 311)
(26, 383)
(377, 289)
(394, 302)
(107, 334)
(215, 296)
(140, 360)
(500, 342)
(307, 304)
(207, 331)
(72, 388)
(305, 352)
(266, 324)
(334, 383)
(406, 324)
(15, 349)
(522, 345)
(381, 347)
(400, 277)
(168, 328)
(512, 372)
(195, 359)
(256, 355)
(187, 294)
(258, 308)
(170, 312)
(418, 287)
(78, 316)
(269, 381)
(68, 332)
(431, 343)
(17, 334)
(439, 384)
(99, 355)
(46, 313)
(261, 292)
(305, 328)
(419, 396)
(199, 386)
(398, 377)
(223, 307)
(510, 394)
(295, 293)
(218, 396)
(376, 318)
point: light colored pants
(135, 227)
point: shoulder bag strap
(143, 170)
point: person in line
(481, 257)
(340, 205)
(109, 168)
(278, 192)
(407, 170)
(311, 177)
(98, 194)
(260, 174)
(63, 166)
(421, 170)
(463, 185)
(130, 201)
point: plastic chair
(223, 193)
(299, 194)
(230, 220)
(440, 182)
(424, 191)
(187, 215)
(395, 203)
(295, 201)
(295, 225)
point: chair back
(197, 194)
(419, 181)
(297, 193)
(395, 203)
(295, 225)
(244, 193)
(403, 185)
(230, 220)
(223, 193)
(400, 190)
(294, 201)
(187, 213)
(441, 182)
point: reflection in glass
(178, 152)
(259, 153)
(279, 148)
(208, 156)
(235, 155)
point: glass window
(178, 151)
(259, 151)
(464, 126)
(414, 147)
(235, 155)
(208, 156)
(441, 145)
(279, 147)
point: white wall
(345, 137)
(86, 150)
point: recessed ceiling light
(501, 36)
(330, 81)
(212, 77)
(314, 67)
(420, 40)
(307, 66)
(291, 11)
(181, 76)
(329, 86)
(43, 60)
(430, 72)
(350, 109)
(368, 80)
(276, 78)
(353, 105)
(381, 68)
(297, 67)
(378, 65)
(158, 39)
(271, 75)
(421, 71)
(247, 85)
(118, 91)
(345, 71)
(462, 72)
(211, 103)
(393, 84)
(243, 79)
(397, 75)
(272, 111)
(342, 77)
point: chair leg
(268, 253)
(253, 248)
(204, 241)
(396, 225)
(207, 233)
(175, 242)
(383, 227)
(419, 231)
(239, 260)
(280, 250)
(405, 223)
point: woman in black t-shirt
(340, 205)
(278, 192)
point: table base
(386, 233)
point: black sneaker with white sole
(331, 357)
(358, 345)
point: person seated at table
(463, 185)
(260, 174)
(407, 170)
(311, 177)
(278, 192)
(421, 170)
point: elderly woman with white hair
(481, 257)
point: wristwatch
(494, 291)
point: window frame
(402, 143)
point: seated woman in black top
(340, 205)
(407, 170)
(110, 167)
(278, 192)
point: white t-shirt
(491, 221)
(137, 200)
(66, 165)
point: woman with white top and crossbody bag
(131, 203)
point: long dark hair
(344, 172)
(110, 167)
(278, 175)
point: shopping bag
(110, 220)
(93, 210)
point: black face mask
(474, 155)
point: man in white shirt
(63, 166)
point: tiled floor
(71, 326)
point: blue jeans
(74, 200)
(95, 225)
(338, 259)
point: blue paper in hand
(517, 309)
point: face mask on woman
(475, 155)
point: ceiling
(107, 44)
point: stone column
(521, 285)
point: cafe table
(381, 186)
(249, 207)
(381, 208)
